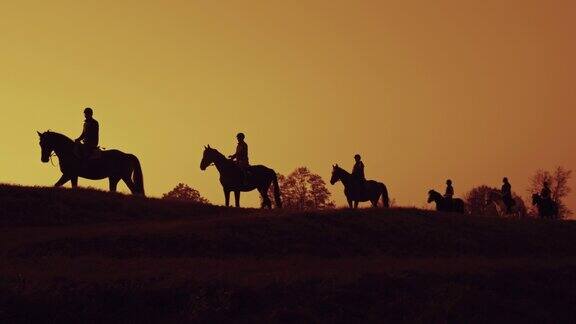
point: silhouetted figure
(90, 134)
(446, 204)
(241, 155)
(232, 176)
(358, 170)
(546, 193)
(112, 164)
(371, 191)
(449, 194)
(547, 208)
(507, 198)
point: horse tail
(385, 198)
(137, 175)
(277, 194)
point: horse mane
(342, 170)
(59, 136)
(218, 153)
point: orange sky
(424, 90)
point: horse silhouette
(455, 205)
(546, 208)
(113, 164)
(495, 198)
(233, 179)
(357, 192)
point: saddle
(95, 154)
(82, 153)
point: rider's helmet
(546, 184)
(357, 157)
(240, 136)
(88, 111)
(505, 180)
(448, 182)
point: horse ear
(209, 146)
(39, 134)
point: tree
(558, 181)
(304, 190)
(183, 192)
(477, 203)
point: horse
(112, 164)
(233, 179)
(357, 192)
(495, 198)
(455, 205)
(546, 208)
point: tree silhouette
(558, 181)
(304, 190)
(183, 192)
(477, 204)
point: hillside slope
(89, 256)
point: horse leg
(113, 183)
(131, 185)
(266, 202)
(227, 197)
(237, 198)
(375, 203)
(63, 179)
(356, 204)
(74, 181)
(349, 202)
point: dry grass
(89, 256)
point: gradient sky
(424, 90)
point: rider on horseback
(449, 190)
(546, 193)
(358, 172)
(241, 155)
(507, 195)
(89, 136)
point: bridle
(51, 155)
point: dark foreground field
(86, 256)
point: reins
(52, 162)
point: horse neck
(221, 162)
(345, 177)
(438, 198)
(63, 146)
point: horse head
(46, 146)
(433, 195)
(208, 157)
(336, 174)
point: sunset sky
(424, 90)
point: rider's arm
(83, 135)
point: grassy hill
(88, 256)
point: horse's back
(260, 169)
